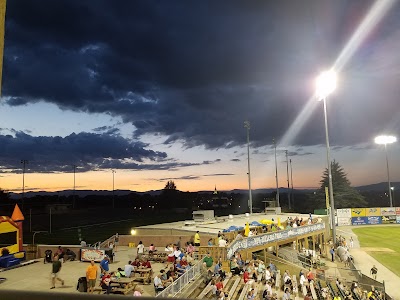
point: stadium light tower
(247, 126)
(326, 84)
(384, 140)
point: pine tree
(345, 196)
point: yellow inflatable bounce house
(11, 234)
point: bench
(278, 281)
(313, 293)
(123, 291)
(233, 288)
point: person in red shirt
(310, 276)
(219, 285)
(145, 264)
(246, 276)
(105, 282)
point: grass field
(382, 237)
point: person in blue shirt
(104, 264)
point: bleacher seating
(313, 293)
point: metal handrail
(177, 286)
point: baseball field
(382, 243)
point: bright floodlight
(326, 84)
(385, 139)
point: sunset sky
(159, 90)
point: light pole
(113, 172)
(291, 180)
(384, 140)
(392, 188)
(24, 162)
(247, 126)
(73, 199)
(287, 179)
(276, 175)
(326, 84)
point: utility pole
(24, 162)
(276, 175)
(287, 178)
(247, 126)
(291, 180)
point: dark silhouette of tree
(345, 196)
(170, 185)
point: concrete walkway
(364, 262)
(36, 277)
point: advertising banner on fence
(397, 210)
(389, 219)
(373, 211)
(345, 213)
(359, 221)
(358, 212)
(373, 220)
(388, 211)
(398, 219)
(344, 221)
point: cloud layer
(194, 72)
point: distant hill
(377, 187)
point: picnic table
(144, 275)
(124, 285)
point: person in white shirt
(177, 253)
(128, 269)
(222, 243)
(302, 279)
(268, 274)
(268, 288)
(140, 249)
(158, 283)
(251, 233)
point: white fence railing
(176, 287)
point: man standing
(104, 264)
(91, 276)
(56, 267)
(197, 239)
(374, 272)
(332, 252)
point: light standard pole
(384, 140)
(291, 180)
(287, 179)
(113, 194)
(24, 162)
(73, 199)
(247, 126)
(326, 84)
(276, 175)
(392, 188)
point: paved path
(364, 262)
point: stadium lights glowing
(385, 139)
(326, 84)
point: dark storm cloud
(89, 151)
(194, 71)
